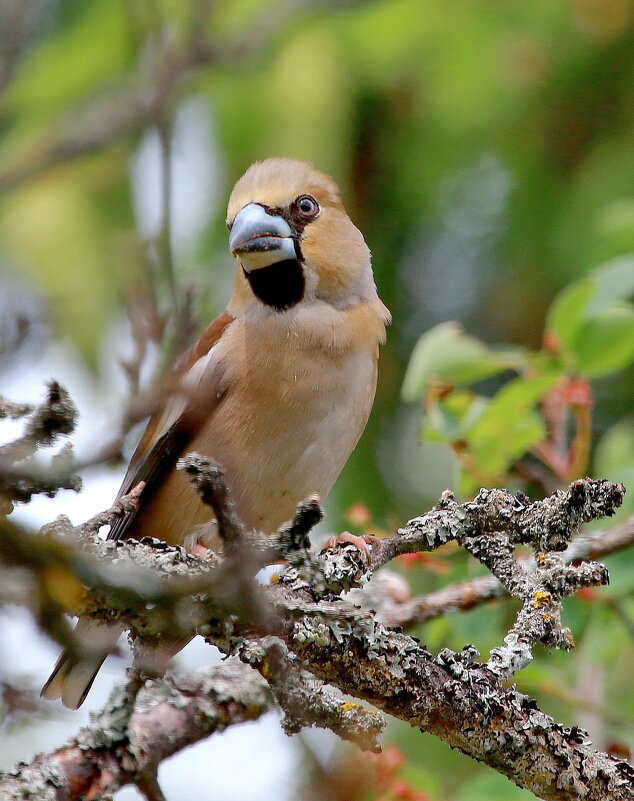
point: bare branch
(117, 748)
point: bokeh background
(485, 149)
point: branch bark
(309, 634)
(469, 594)
(119, 748)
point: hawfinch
(277, 389)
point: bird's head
(293, 240)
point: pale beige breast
(294, 411)
(299, 390)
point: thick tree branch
(452, 696)
(119, 748)
(306, 701)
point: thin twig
(469, 594)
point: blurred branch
(14, 410)
(98, 122)
(166, 257)
(119, 748)
(55, 416)
(21, 477)
(20, 484)
(466, 595)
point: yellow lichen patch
(540, 599)
(62, 586)
(349, 706)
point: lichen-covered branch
(489, 527)
(306, 701)
(546, 525)
(207, 477)
(463, 703)
(119, 748)
(305, 634)
(408, 611)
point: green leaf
(567, 313)
(614, 460)
(584, 300)
(446, 353)
(422, 778)
(496, 447)
(452, 417)
(615, 450)
(605, 343)
(614, 281)
(510, 425)
(491, 786)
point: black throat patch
(280, 285)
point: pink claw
(360, 542)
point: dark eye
(307, 206)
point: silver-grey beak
(259, 239)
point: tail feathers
(73, 675)
(72, 678)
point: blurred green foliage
(589, 333)
(484, 149)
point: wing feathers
(197, 391)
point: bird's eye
(307, 206)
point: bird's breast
(296, 404)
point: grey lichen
(306, 701)
(305, 636)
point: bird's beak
(259, 239)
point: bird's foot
(361, 542)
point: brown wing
(171, 427)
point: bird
(278, 389)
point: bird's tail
(73, 675)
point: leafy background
(485, 149)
